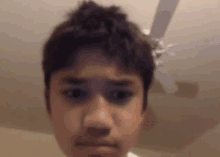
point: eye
(120, 96)
(75, 94)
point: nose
(98, 121)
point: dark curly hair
(109, 29)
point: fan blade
(167, 82)
(165, 11)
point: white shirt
(130, 154)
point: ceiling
(195, 28)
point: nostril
(104, 132)
(97, 132)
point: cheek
(72, 121)
(131, 117)
(65, 119)
(131, 121)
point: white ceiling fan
(164, 83)
(163, 16)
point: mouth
(92, 144)
(97, 148)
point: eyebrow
(124, 82)
(72, 80)
(79, 81)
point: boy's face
(96, 109)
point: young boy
(97, 72)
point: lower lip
(99, 149)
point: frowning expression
(96, 108)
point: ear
(150, 119)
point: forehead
(90, 63)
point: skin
(96, 110)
